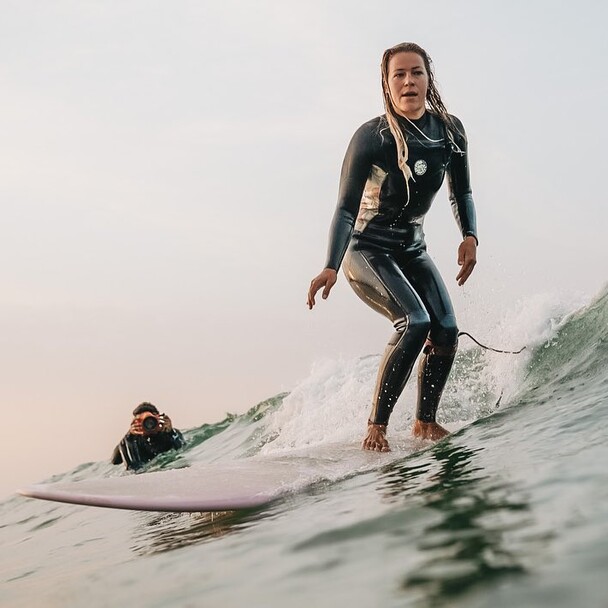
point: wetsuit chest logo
(420, 167)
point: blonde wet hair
(433, 102)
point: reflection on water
(160, 532)
(471, 544)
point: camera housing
(150, 423)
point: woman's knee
(444, 333)
(417, 324)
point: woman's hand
(327, 279)
(467, 258)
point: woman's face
(408, 82)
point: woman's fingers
(312, 292)
(465, 271)
(467, 258)
(329, 283)
(327, 279)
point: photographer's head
(145, 407)
(147, 420)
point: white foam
(329, 406)
(333, 403)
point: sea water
(510, 510)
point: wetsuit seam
(394, 350)
(388, 290)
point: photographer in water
(151, 433)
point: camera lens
(149, 423)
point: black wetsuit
(378, 230)
(136, 450)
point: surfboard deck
(226, 486)
(192, 489)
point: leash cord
(495, 350)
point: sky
(170, 170)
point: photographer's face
(145, 423)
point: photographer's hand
(136, 428)
(164, 423)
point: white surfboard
(226, 486)
(239, 484)
(194, 489)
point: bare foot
(376, 438)
(429, 430)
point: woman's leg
(440, 349)
(380, 283)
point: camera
(150, 422)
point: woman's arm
(354, 174)
(355, 171)
(461, 199)
(459, 185)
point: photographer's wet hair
(145, 407)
